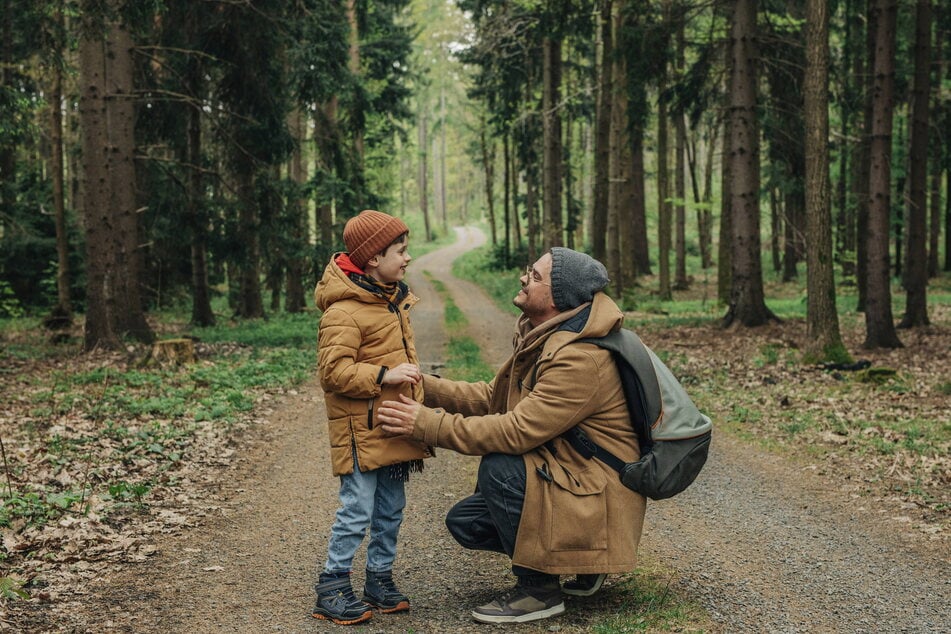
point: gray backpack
(674, 436)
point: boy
(366, 354)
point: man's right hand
(398, 418)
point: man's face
(390, 266)
(535, 298)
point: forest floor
(777, 540)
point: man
(548, 508)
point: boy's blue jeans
(367, 499)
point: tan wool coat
(577, 517)
(361, 333)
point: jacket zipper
(370, 413)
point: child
(366, 354)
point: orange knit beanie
(369, 233)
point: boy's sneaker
(336, 601)
(522, 604)
(381, 592)
(583, 585)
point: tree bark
(680, 169)
(423, 172)
(114, 308)
(63, 278)
(663, 192)
(602, 138)
(488, 165)
(880, 327)
(294, 301)
(552, 155)
(916, 209)
(864, 161)
(824, 341)
(202, 314)
(747, 303)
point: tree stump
(171, 352)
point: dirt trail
(757, 541)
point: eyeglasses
(533, 276)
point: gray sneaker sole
(554, 610)
(584, 592)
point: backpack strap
(590, 449)
(638, 379)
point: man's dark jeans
(488, 519)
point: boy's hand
(398, 418)
(403, 373)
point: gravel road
(762, 544)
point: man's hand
(398, 417)
(403, 373)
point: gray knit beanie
(575, 278)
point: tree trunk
(864, 162)
(294, 302)
(824, 341)
(619, 157)
(916, 210)
(354, 66)
(64, 300)
(531, 211)
(747, 304)
(250, 300)
(506, 196)
(325, 140)
(880, 327)
(776, 225)
(680, 184)
(202, 314)
(552, 155)
(602, 138)
(725, 247)
(114, 308)
(442, 162)
(423, 172)
(639, 251)
(706, 212)
(663, 193)
(488, 164)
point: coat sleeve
(460, 397)
(338, 341)
(567, 392)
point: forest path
(761, 544)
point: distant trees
(242, 135)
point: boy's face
(390, 266)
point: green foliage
(645, 602)
(9, 304)
(11, 588)
(297, 330)
(502, 285)
(148, 416)
(464, 361)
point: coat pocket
(579, 511)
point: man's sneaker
(381, 592)
(336, 601)
(522, 604)
(583, 585)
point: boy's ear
(374, 261)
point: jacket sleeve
(555, 405)
(338, 341)
(460, 397)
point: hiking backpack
(674, 436)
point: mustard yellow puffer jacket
(361, 334)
